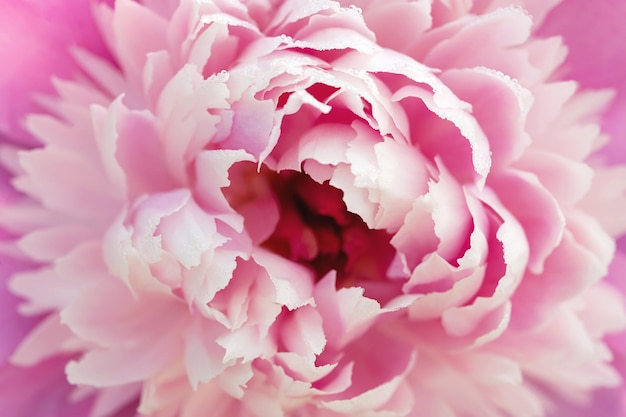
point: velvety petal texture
(296, 208)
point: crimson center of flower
(314, 227)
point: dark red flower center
(316, 229)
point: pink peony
(304, 208)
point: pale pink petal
(204, 358)
(346, 312)
(537, 211)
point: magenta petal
(39, 391)
(13, 326)
(594, 57)
(34, 44)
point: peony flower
(303, 208)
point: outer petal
(593, 57)
(36, 35)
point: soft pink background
(34, 39)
